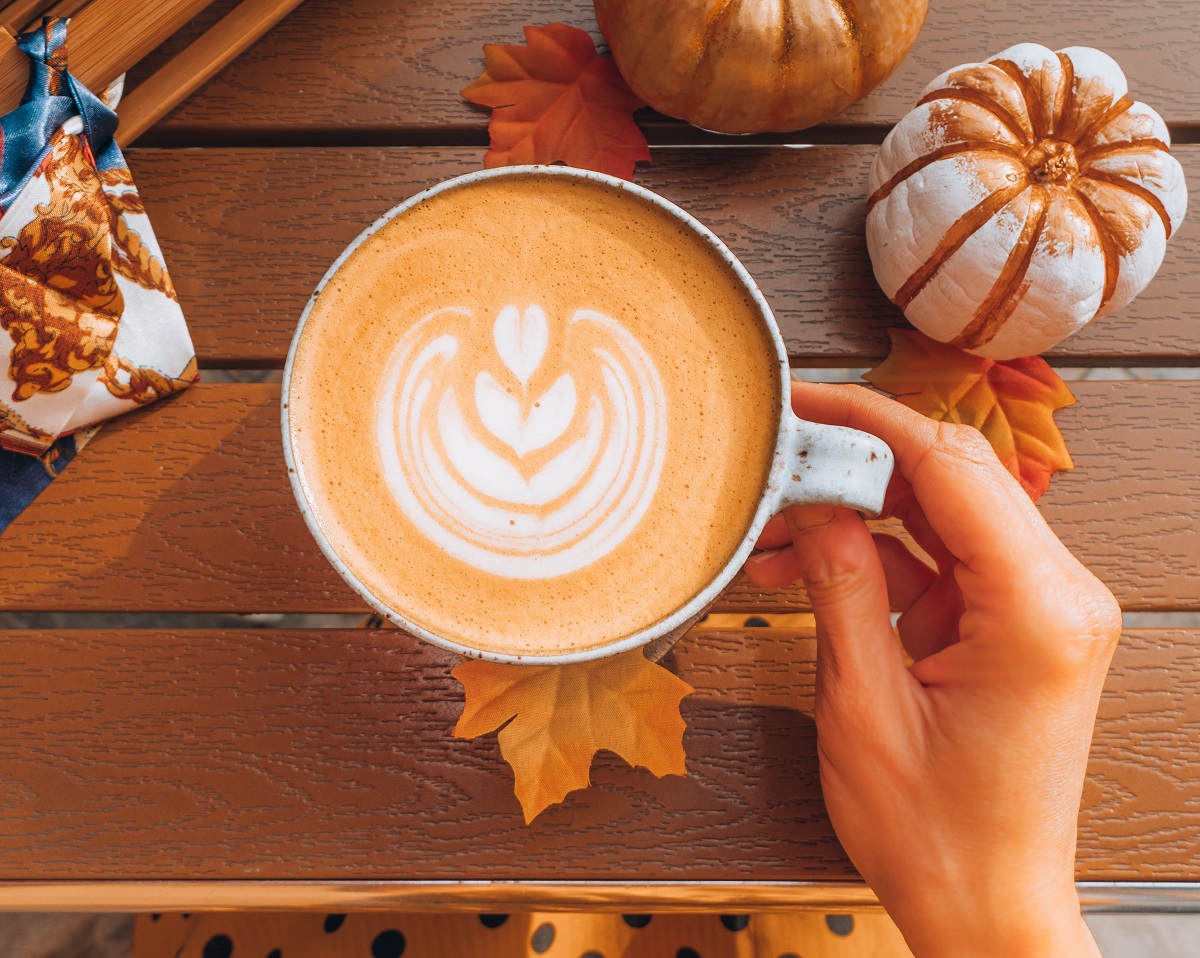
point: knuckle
(834, 575)
(963, 442)
(1088, 625)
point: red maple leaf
(557, 99)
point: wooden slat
(378, 68)
(106, 39)
(248, 233)
(17, 14)
(185, 506)
(216, 48)
(327, 756)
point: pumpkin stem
(1052, 161)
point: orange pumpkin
(748, 67)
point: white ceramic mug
(813, 463)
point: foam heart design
(521, 340)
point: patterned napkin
(94, 326)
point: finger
(916, 523)
(858, 659)
(932, 622)
(972, 502)
(908, 578)
(775, 534)
(774, 568)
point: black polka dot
(687, 953)
(789, 954)
(275, 953)
(591, 954)
(543, 938)
(333, 923)
(155, 917)
(218, 946)
(637, 921)
(388, 944)
(757, 622)
(840, 924)
(493, 921)
(186, 915)
(735, 922)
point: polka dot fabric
(537, 935)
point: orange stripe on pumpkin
(984, 102)
(959, 233)
(1108, 245)
(1133, 189)
(1010, 287)
(951, 149)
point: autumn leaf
(1012, 403)
(559, 716)
(557, 99)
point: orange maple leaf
(557, 99)
(1012, 403)
(559, 716)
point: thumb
(858, 656)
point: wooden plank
(248, 233)
(185, 73)
(185, 506)
(387, 70)
(327, 756)
(105, 41)
(821, 897)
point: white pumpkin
(1023, 197)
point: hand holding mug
(954, 782)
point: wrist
(1017, 932)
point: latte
(534, 414)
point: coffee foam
(534, 415)
(549, 484)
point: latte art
(523, 460)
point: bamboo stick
(63, 8)
(107, 38)
(157, 95)
(18, 14)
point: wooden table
(202, 767)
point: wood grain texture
(185, 73)
(377, 67)
(247, 235)
(107, 38)
(185, 506)
(327, 755)
(349, 894)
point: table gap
(660, 135)
(179, 621)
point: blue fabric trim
(52, 97)
(22, 477)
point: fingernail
(764, 554)
(806, 518)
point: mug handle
(834, 466)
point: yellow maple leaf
(559, 716)
(1012, 403)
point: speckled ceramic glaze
(812, 463)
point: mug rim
(768, 495)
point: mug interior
(685, 614)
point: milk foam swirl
(506, 473)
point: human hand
(953, 783)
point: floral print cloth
(94, 326)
